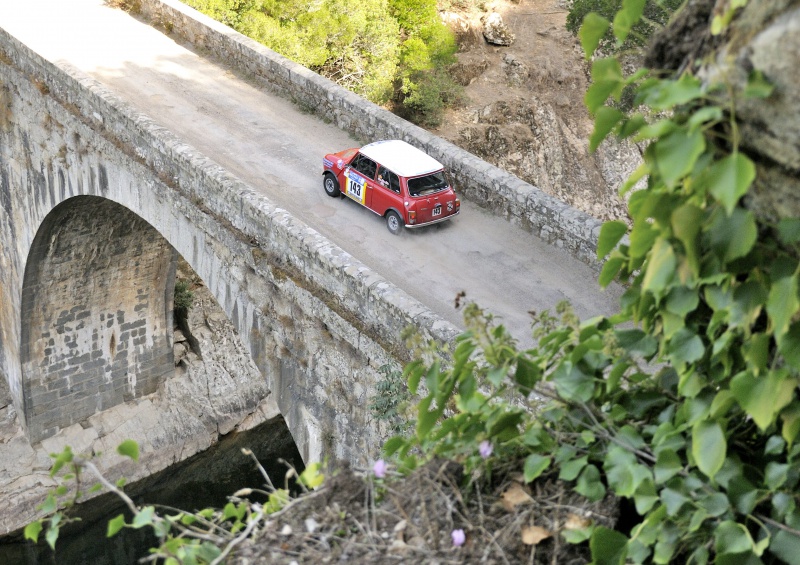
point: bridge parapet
(317, 322)
(488, 186)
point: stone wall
(490, 187)
(97, 311)
(317, 323)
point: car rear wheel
(394, 222)
(331, 185)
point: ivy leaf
(610, 234)
(660, 268)
(685, 347)
(668, 464)
(733, 236)
(758, 86)
(115, 525)
(789, 230)
(730, 178)
(782, 304)
(605, 120)
(704, 115)
(626, 18)
(592, 30)
(765, 396)
(590, 485)
(129, 448)
(606, 81)
(32, 531)
(608, 546)
(709, 447)
(676, 154)
(731, 537)
(785, 545)
(609, 271)
(535, 465)
(791, 423)
(144, 517)
(52, 536)
(686, 222)
(669, 93)
(572, 383)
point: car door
(387, 192)
(360, 179)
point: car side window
(365, 166)
(388, 179)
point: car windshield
(428, 184)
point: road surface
(277, 149)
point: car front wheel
(394, 222)
(331, 185)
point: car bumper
(436, 221)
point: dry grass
(355, 519)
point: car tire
(394, 222)
(331, 185)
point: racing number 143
(355, 190)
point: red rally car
(395, 180)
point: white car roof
(401, 158)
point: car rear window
(427, 184)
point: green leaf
(590, 485)
(626, 18)
(685, 347)
(610, 234)
(776, 475)
(49, 505)
(527, 374)
(609, 271)
(32, 531)
(733, 237)
(732, 537)
(789, 230)
(791, 423)
(115, 525)
(668, 464)
(605, 119)
(785, 545)
(572, 468)
(758, 86)
(572, 383)
(606, 81)
(312, 476)
(608, 547)
(144, 517)
(52, 536)
(730, 178)
(677, 153)
(673, 500)
(660, 269)
(709, 447)
(763, 397)
(129, 448)
(666, 94)
(704, 115)
(535, 465)
(592, 30)
(782, 304)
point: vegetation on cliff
(389, 51)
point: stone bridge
(97, 201)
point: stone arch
(96, 313)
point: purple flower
(485, 449)
(459, 537)
(379, 468)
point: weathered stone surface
(495, 31)
(764, 36)
(187, 414)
